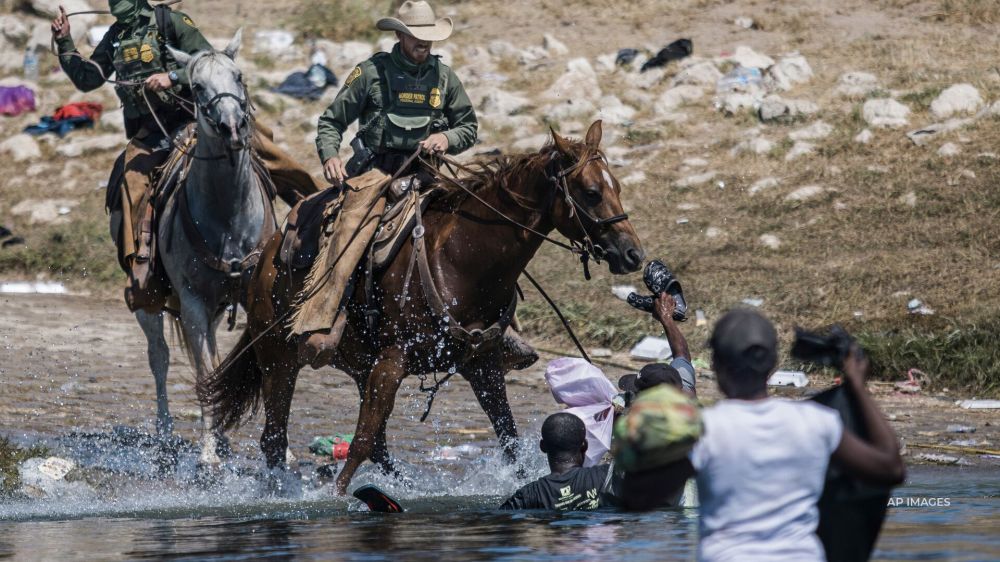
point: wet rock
(805, 192)
(864, 137)
(46, 478)
(949, 149)
(554, 46)
(676, 97)
(770, 241)
(579, 82)
(21, 147)
(696, 180)
(960, 98)
(800, 149)
(789, 71)
(612, 110)
(697, 73)
(885, 113)
(44, 211)
(856, 84)
(763, 184)
(100, 143)
(816, 131)
(776, 108)
(747, 57)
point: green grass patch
(79, 250)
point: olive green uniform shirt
(86, 77)
(361, 98)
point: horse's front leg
(377, 402)
(159, 362)
(198, 323)
(486, 377)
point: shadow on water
(133, 511)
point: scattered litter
(16, 100)
(682, 221)
(623, 291)
(626, 56)
(455, 453)
(744, 22)
(600, 352)
(63, 210)
(677, 50)
(917, 306)
(740, 79)
(940, 459)
(960, 429)
(652, 348)
(67, 118)
(798, 379)
(910, 385)
(309, 85)
(335, 446)
(756, 303)
(699, 318)
(859, 314)
(979, 404)
(40, 288)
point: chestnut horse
(475, 257)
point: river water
(133, 514)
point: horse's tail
(233, 389)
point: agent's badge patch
(146, 54)
(435, 99)
(130, 54)
(353, 76)
(188, 21)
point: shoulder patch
(353, 76)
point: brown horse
(475, 259)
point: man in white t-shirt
(761, 462)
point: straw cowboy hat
(417, 19)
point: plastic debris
(699, 318)
(740, 79)
(979, 404)
(910, 385)
(940, 459)
(652, 348)
(623, 291)
(917, 306)
(798, 379)
(960, 429)
(756, 303)
(600, 352)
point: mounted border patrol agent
(134, 49)
(402, 100)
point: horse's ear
(234, 45)
(594, 134)
(181, 57)
(562, 145)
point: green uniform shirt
(363, 97)
(86, 77)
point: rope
(555, 308)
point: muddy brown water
(73, 375)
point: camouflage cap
(660, 428)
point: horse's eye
(592, 196)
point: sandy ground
(79, 362)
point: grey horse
(228, 208)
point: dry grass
(972, 12)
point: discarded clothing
(335, 446)
(16, 100)
(308, 85)
(588, 393)
(67, 118)
(677, 50)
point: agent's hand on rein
(435, 144)
(158, 82)
(334, 171)
(60, 25)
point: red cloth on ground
(80, 109)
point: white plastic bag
(588, 393)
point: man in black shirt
(570, 486)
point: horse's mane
(497, 172)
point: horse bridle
(208, 110)
(586, 248)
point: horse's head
(588, 207)
(220, 97)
